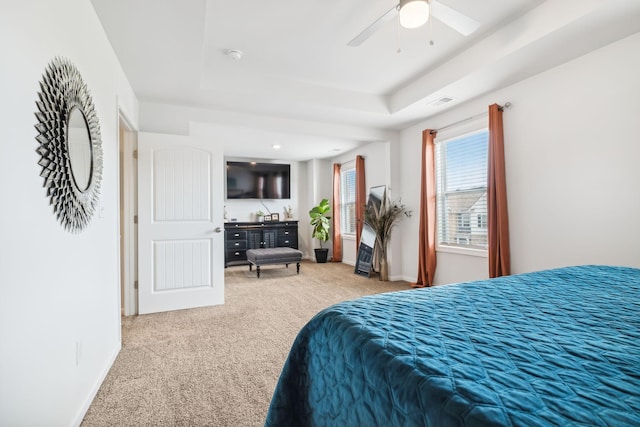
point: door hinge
(135, 284)
(135, 154)
(135, 219)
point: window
(464, 222)
(461, 191)
(348, 200)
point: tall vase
(384, 267)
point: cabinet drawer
(239, 255)
(236, 244)
(236, 235)
(290, 242)
(288, 233)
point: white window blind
(348, 201)
(461, 190)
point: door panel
(181, 258)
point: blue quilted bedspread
(552, 348)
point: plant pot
(321, 255)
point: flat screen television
(251, 180)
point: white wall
(59, 291)
(571, 148)
(319, 186)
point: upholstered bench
(266, 256)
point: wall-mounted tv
(251, 180)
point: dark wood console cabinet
(240, 236)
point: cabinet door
(254, 239)
(269, 238)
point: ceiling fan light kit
(413, 13)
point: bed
(557, 347)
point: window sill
(463, 251)
(349, 237)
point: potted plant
(320, 223)
(383, 218)
(259, 216)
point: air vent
(441, 101)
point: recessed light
(276, 146)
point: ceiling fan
(415, 13)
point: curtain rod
(506, 105)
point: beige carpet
(218, 366)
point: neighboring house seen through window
(348, 201)
(461, 191)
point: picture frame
(267, 218)
(275, 217)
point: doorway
(128, 146)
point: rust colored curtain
(336, 236)
(427, 230)
(498, 217)
(361, 198)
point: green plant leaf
(320, 221)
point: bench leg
(286, 265)
(250, 267)
(297, 268)
(258, 270)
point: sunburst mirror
(70, 145)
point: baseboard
(408, 279)
(96, 387)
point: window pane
(348, 201)
(461, 190)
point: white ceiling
(297, 66)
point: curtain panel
(427, 230)
(336, 235)
(498, 217)
(361, 197)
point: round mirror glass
(79, 145)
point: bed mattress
(556, 347)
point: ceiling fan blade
(368, 32)
(454, 19)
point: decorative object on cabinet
(241, 236)
(320, 223)
(275, 217)
(288, 212)
(267, 218)
(70, 144)
(259, 216)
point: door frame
(128, 180)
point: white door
(180, 235)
